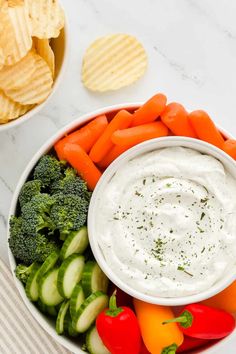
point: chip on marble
(112, 62)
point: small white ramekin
(100, 190)
(72, 344)
(60, 48)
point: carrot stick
(80, 160)
(205, 128)
(229, 147)
(136, 135)
(151, 110)
(175, 118)
(122, 120)
(225, 300)
(115, 152)
(85, 136)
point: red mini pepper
(119, 330)
(190, 343)
(204, 322)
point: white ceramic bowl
(97, 197)
(45, 322)
(60, 48)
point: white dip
(167, 222)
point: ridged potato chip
(13, 3)
(47, 18)
(17, 75)
(15, 38)
(9, 109)
(1, 58)
(43, 48)
(112, 62)
(38, 89)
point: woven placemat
(19, 331)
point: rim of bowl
(39, 317)
(18, 121)
(146, 147)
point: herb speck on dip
(166, 223)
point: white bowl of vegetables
(51, 260)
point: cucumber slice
(94, 343)
(49, 263)
(49, 310)
(93, 278)
(52, 311)
(41, 306)
(70, 273)
(60, 323)
(48, 291)
(76, 242)
(31, 288)
(69, 327)
(77, 298)
(89, 310)
(71, 331)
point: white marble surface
(191, 45)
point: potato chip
(13, 3)
(38, 89)
(1, 58)
(47, 18)
(9, 109)
(112, 62)
(43, 48)
(15, 38)
(19, 74)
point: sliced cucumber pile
(48, 264)
(48, 291)
(93, 278)
(60, 323)
(70, 274)
(71, 288)
(31, 288)
(76, 242)
(94, 343)
(77, 298)
(89, 310)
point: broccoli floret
(35, 214)
(71, 184)
(28, 249)
(23, 272)
(48, 170)
(68, 213)
(28, 191)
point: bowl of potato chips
(33, 50)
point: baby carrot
(158, 338)
(115, 152)
(136, 135)
(175, 118)
(229, 147)
(122, 120)
(225, 300)
(85, 136)
(80, 160)
(151, 110)
(205, 128)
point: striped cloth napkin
(19, 331)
